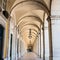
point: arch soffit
(37, 19)
(44, 7)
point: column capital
(48, 18)
(43, 27)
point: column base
(43, 57)
(40, 56)
(50, 57)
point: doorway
(30, 48)
(1, 41)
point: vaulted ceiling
(29, 15)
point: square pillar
(50, 37)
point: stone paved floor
(30, 56)
(33, 56)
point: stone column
(16, 41)
(20, 38)
(50, 37)
(19, 46)
(40, 43)
(20, 49)
(43, 42)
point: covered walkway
(29, 29)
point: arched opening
(1, 41)
(30, 48)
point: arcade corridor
(29, 29)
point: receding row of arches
(25, 29)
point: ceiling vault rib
(33, 32)
(50, 6)
(38, 19)
(32, 1)
(43, 18)
(32, 25)
(29, 22)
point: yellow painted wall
(6, 41)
